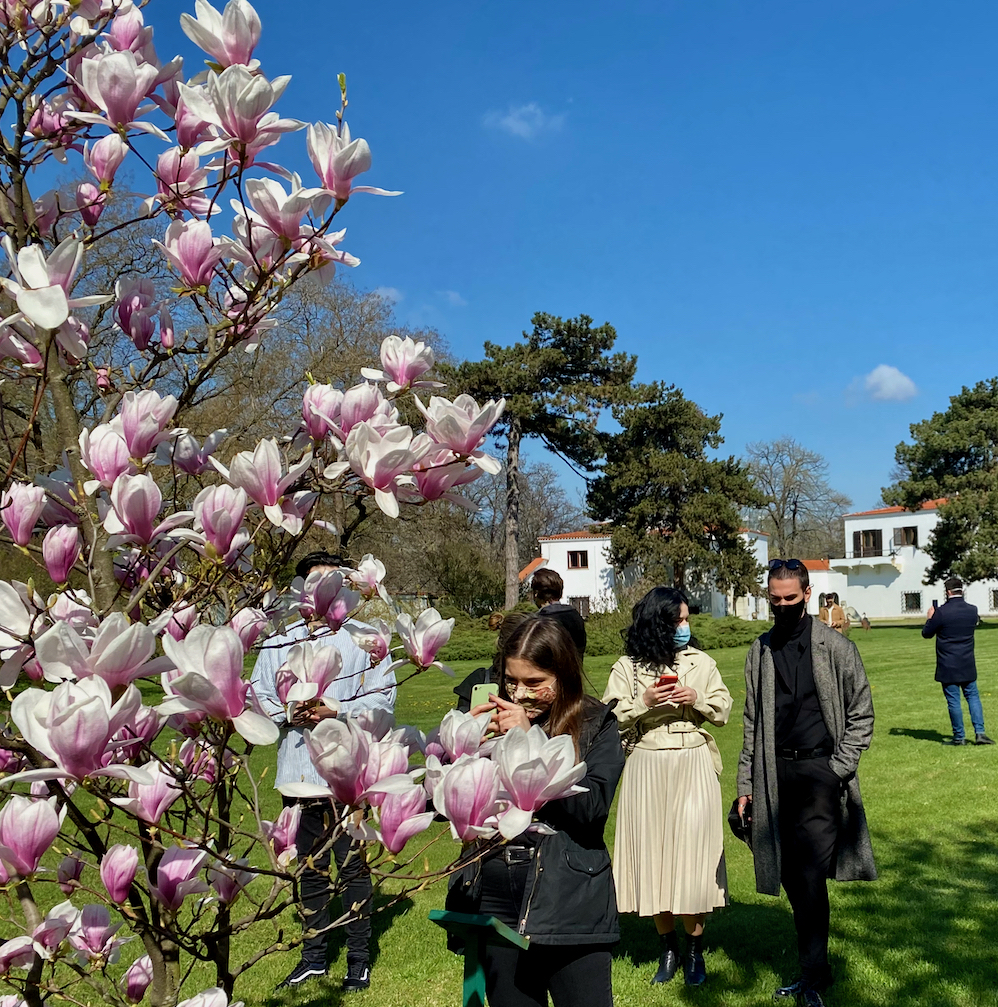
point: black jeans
(810, 808)
(354, 878)
(576, 975)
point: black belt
(796, 754)
(517, 854)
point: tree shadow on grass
(328, 991)
(923, 934)
(919, 734)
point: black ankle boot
(668, 961)
(694, 969)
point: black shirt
(569, 617)
(799, 723)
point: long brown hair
(547, 645)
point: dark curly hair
(654, 619)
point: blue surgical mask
(681, 637)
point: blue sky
(775, 203)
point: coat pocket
(588, 862)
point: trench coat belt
(681, 727)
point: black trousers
(576, 975)
(810, 808)
(316, 885)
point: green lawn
(922, 936)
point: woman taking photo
(668, 857)
(556, 888)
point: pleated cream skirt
(668, 854)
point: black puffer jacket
(570, 898)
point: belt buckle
(513, 855)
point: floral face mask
(535, 701)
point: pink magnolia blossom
(439, 472)
(60, 550)
(375, 639)
(135, 310)
(166, 334)
(183, 618)
(68, 874)
(18, 952)
(359, 404)
(127, 30)
(387, 763)
(105, 157)
(380, 459)
(59, 922)
(218, 515)
(229, 37)
(21, 506)
(137, 501)
(192, 251)
(261, 473)
(229, 881)
(191, 458)
(138, 979)
(177, 876)
(278, 210)
(249, 623)
(461, 425)
(27, 829)
(214, 997)
(17, 346)
(191, 128)
(118, 868)
(462, 734)
(311, 670)
(238, 101)
(210, 660)
(338, 160)
(282, 834)
(368, 578)
(423, 638)
(340, 751)
(402, 816)
(93, 934)
(90, 201)
(41, 286)
(326, 595)
(105, 454)
(403, 361)
(467, 795)
(320, 410)
(72, 726)
(533, 770)
(144, 417)
(182, 182)
(149, 801)
(117, 84)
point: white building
(592, 585)
(885, 565)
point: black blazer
(953, 625)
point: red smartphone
(668, 678)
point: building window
(581, 605)
(906, 536)
(993, 595)
(911, 601)
(868, 543)
(578, 560)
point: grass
(922, 936)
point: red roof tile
(928, 505)
(584, 533)
(534, 565)
(816, 564)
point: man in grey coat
(808, 718)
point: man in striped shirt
(358, 687)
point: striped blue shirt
(357, 687)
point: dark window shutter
(857, 543)
(878, 542)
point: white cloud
(392, 294)
(525, 121)
(453, 298)
(886, 383)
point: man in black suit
(953, 625)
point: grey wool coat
(847, 707)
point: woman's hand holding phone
(509, 715)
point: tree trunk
(513, 515)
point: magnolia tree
(129, 809)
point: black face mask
(787, 616)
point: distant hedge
(473, 641)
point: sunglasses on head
(790, 564)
